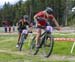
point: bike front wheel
(33, 49)
(48, 46)
(21, 42)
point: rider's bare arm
(35, 20)
(56, 23)
(17, 24)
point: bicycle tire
(20, 46)
(33, 48)
(21, 42)
(49, 45)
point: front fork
(45, 37)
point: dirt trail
(12, 33)
(51, 58)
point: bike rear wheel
(48, 46)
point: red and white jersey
(43, 22)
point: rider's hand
(39, 24)
(58, 28)
(31, 24)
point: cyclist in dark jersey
(41, 19)
(23, 22)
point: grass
(64, 35)
(9, 53)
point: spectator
(13, 28)
(9, 28)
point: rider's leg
(49, 28)
(38, 36)
(19, 35)
(24, 35)
(25, 32)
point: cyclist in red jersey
(41, 21)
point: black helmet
(26, 17)
(49, 10)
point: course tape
(64, 39)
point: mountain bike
(46, 43)
(22, 38)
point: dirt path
(12, 33)
(51, 58)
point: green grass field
(9, 53)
